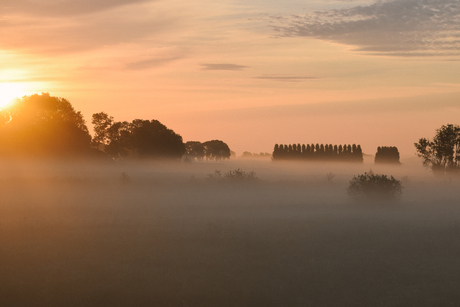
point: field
(164, 235)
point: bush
(237, 175)
(217, 175)
(370, 186)
(240, 175)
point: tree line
(46, 126)
(321, 152)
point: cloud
(50, 8)
(399, 27)
(152, 62)
(223, 66)
(285, 78)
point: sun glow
(9, 91)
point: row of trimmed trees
(328, 152)
(46, 126)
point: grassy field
(79, 235)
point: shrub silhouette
(237, 175)
(217, 175)
(240, 175)
(370, 186)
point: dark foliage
(318, 152)
(370, 187)
(195, 150)
(247, 154)
(212, 150)
(43, 126)
(142, 138)
(442, 154)
(237, 175)
(153, 139)
(216, 150)
(240, 175)
(387, 155)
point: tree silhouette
(144, 138)
(216, 150)
(110, 136)
(195, 150)
(42, 125)
(276, 152)
(152, 139)
(387, 155)
(443, 153)
(101, 123)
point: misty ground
(80, 235)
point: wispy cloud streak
(285, 78)
(222, 66)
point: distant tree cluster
(210, 150)
(387, 154)
(348, 153)
(247, 154)
(42, 126)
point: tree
(442, 154)
(153, 139)
(216, 150)
(101, 123)
(145, 138)
(194, 150)
(387, 154)
(42, 125)
(113, 137)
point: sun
(9, 91)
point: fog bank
(157, 233)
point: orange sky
(249, 73)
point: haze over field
(253, 73)
(163, 234)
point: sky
(252, 73)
